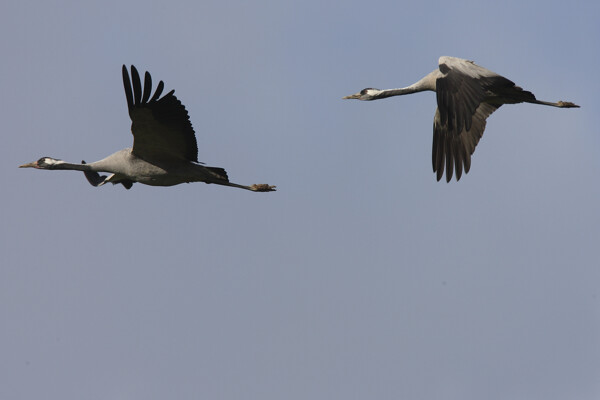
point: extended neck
(394, 92)
(427, 83)
(69, 166)
(50, 163)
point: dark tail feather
(515, 95)
(219, 171)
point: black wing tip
(158, 92)
(137, 86)
(440, 175)
(135, 93)
(452, 166)
(147, 87)
(125, 70)
(128, 90)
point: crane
(164, 151)
(466, 95)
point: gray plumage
(467, 95)
(164, 151)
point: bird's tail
(220, 172)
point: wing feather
(463, 91)
(147, 87)
(449, 157)
(456, 149)
(137, 85)
(158, 92)
(127, 85)
(161, 127)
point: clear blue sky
(361, 277)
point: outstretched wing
(452, 151)
(161, 127)
(462, 90)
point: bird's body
(164, 151)
(126, 166)
(466, 95)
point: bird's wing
(462, 86)
(95, 179)
(452, 151)
(161, 127)
(459, 121)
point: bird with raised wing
(466, 95)
(164, 151)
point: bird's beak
(352, 96)
(29, 165)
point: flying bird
(466, 95)
(164, 151)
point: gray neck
(394, 92)
(69, 166)
(427, 83)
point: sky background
(361, 277)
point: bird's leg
(260, 187)
(560, 104)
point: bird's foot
(262, 187)
(567, 104)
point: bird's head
(42, 163)
(365, 94)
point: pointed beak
(352, 96)
(29, 165)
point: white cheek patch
(51, 161)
